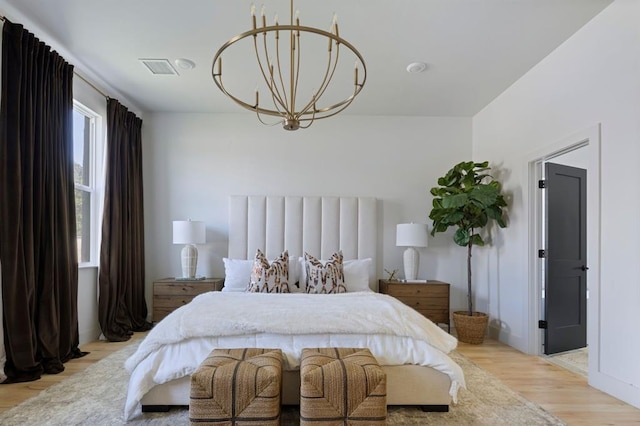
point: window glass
(81, 148)
(84, 151)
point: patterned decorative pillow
(324, 278)
(269, 278)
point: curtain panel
(37, 208)
(122, 308)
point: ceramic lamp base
(411, 263)
(189, 261)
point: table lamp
(189, 233)
(411, 235)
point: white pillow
(356, 274)
(237, 273)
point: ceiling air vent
(159, 66)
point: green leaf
(477, 240)
(485, 194)
(454, 201)
(461, 237)
(454, 217)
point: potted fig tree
(469, 199)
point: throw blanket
(233, 314)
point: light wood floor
(558, 391)
(561, 392)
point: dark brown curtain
(37, 208)
(122, 308)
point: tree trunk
(469, 300)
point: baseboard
(505, 336)
(89, 335)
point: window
(84, 174)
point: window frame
(94, 186)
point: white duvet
(395, 334)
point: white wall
(592, 78)
(193, 162)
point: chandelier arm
(292, 48)
(295, 86)
(286, 105)
(310, 120)
(325, 84)
(276, 101)
(328, 75)
(255, 108)
(264, 122)
(341, 106)
(274, 94)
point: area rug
(576, 361)
(96, 396)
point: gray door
(566, 255)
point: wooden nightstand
(170, 293)
(431, 299)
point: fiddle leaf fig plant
(469, 199)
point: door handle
(584, 268)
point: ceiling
(474, 49)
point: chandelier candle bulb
(253, 15)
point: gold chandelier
(283, 92)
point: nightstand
(430, 298)
(170, 293)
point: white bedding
(394, 333)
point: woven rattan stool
(342, 386)
(237, 387)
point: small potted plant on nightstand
(469, 199)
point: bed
(411, 349)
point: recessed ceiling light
(416, 67)
(185, 64)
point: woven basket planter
(471, 329)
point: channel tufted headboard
(317, 225)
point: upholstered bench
(340, 386)
(237, 387)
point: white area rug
(576, 361)
(96, 397)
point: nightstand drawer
(417, 290)
(180, 288)
(171, 302)
(169, 293)
(430, 298)
(423, 303)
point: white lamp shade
(188, 232)
(412, 235)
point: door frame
(588, 138)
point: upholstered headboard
(317, 225)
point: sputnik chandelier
(281, 77)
